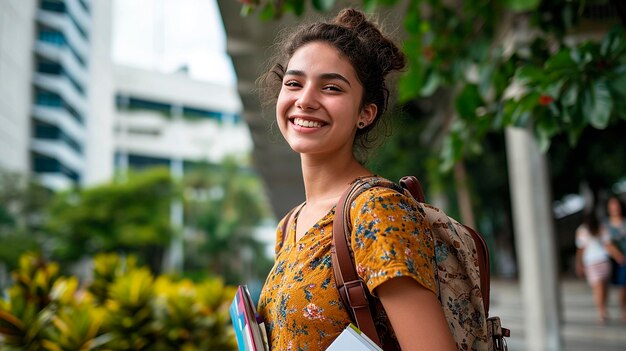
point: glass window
(192, 112)
(52, 5)
(49, 99)
(47, 131)
(53, 68)
(52, 36)
(48, 67)
(141, 162)
(45, 164)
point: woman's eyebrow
(299, 73)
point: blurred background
(141, 178)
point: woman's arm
(580, 268)
(416, 315)
(615, 253)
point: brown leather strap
(353, 291)
(414, 187)
(483, 266)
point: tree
(225, 204)
(129, 217)
(23, 204)
(509, 62)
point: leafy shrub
(124, 307)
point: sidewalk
(579, 331)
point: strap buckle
(356, 294)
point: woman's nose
(307, 99)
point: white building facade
(164, 119)
(50, 54)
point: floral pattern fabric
(300, 303)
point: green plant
(503, 63)
(130, 310)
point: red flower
(545, 100)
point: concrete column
(534, 238)
(174, 259)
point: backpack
(462, 274)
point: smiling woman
(328, 84)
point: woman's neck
(327, 178)
(616, 219)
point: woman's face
(613, 207)
(319, 105)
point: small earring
(361, 125)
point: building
(52, 53)
(70, 117)
(173, 120)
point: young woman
(615, 238)
(592, 262)
(330, 80)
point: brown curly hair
(372, 54)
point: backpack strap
(413, 185)
(352, 289)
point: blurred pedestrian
(593, 263)
(615, 239)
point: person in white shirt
(592, 262)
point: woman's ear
(368, 114)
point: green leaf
(570, 95)
(387, 2)
(468, 101)
(545, 127)
(529, 73)
(431, 84)
(612, 42)
(369, 5)
(561, 60)
(298, 6)
(246, 10)
(323, 5)
(412, 22)
(521, 5)
(597, 104)
(618, 86)
(409, 84)
(268, 12)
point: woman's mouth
(306, 123)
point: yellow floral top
(300, 303)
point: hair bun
(390, 56)
(352, 19)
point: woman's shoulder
(381, 194)
(381, 187)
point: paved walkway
(580, 331)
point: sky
(166, 34)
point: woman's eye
(332, 88)
(291, 83)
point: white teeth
(306, 123)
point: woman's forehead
(322, 60)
